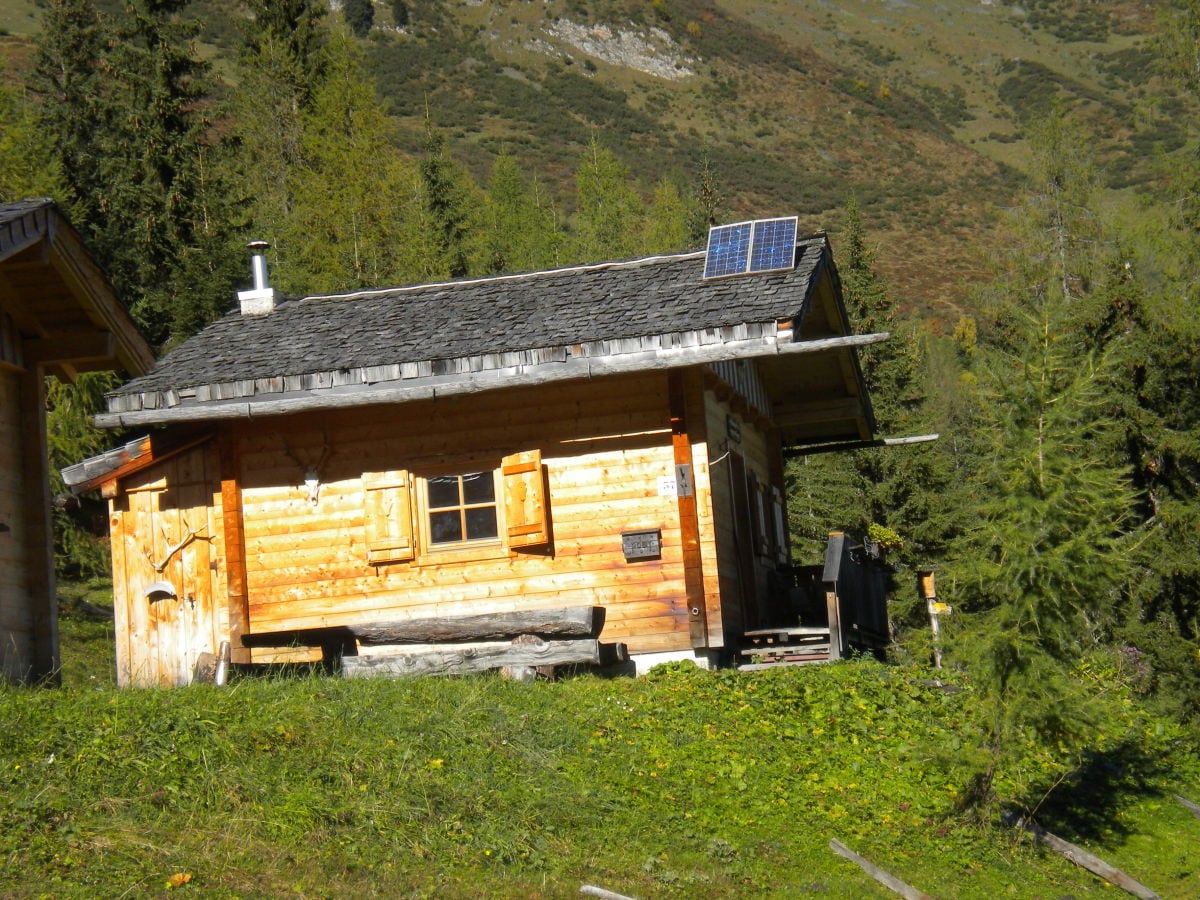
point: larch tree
(608, 215)
(356, 218)
(1038, 575)
(520, 227)
(280, 68)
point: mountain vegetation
(1011, 190)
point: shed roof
(470, 335)
(61, 304)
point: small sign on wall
(641, 544)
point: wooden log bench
(521, 643)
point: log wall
(608, 461)
(605, 447)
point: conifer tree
(520, 227)
(356, 219)
(28, 167)
(75, 114)
(360, 16)
(279, 70)
(124, 104)
(1039, 574)
(666, 220)
(452, 201)
(608, 209)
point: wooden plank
(234, 542)
(891, 882)
(474, 658)
(577, 621)
(1188, 804)
(1082, 858)
(680, 386)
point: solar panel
(765, 245)
(728, 250)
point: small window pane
(479, 487)
(443, 491)
(445, 527)
(481, 523)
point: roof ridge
(455, 282)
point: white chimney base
(258, 302)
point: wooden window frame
(396, 513)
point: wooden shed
(58, 316)
(608, 435)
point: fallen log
(885, 878)
(1082, 858)
(573, 621)
(466, 659)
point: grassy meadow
(682, 783)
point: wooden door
(743, 531)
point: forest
(1060, 506)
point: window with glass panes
(461, 508)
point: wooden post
(43, 662)
(680, 387)
(927, 591)
(235, 546)
(833, 605)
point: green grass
(679, 784)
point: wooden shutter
(526, 512)
(388, 516)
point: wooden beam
(577, 621)
(44, 663)
(844, 446)
(234, 534)
(468, 659)
(1082, 858)
(93, 346)
(888, 880)
(89, 284)
(679, 386)
(467, 383)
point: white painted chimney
(259, 300)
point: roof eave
(472, 382)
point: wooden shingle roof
(465, 336)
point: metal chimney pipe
(259, 300)
(258, 264)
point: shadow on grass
(1086, 805)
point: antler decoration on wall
(312, 471)
(192, 535)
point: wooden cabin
(58, 316)
(608, 435)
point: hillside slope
(918, 110)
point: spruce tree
(359, 15)
(124, 104)
(452, 201)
